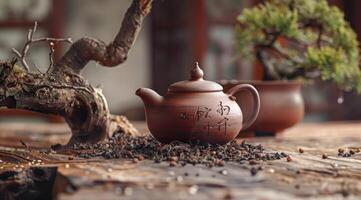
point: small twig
(51, 59)
(54, 40)
(319, 38)
(21, 56)
(30, 40)
(24, 144)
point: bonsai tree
(304, 39)
(62, 90)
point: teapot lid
(196, 83)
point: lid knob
(196, 73)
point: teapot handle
(256, 99)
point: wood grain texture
(307, 176)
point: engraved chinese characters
(202, 112)
(223, 109)
(203, 115)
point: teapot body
(206, 117)
(196, 110)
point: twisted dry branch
(62, 90)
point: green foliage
(309, 30)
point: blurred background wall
(178, 33)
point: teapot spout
(149, 97)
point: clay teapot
(196, 110)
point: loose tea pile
(343, 153)
(176, 153)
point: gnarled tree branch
(63, 91)
(115, 53)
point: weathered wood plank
(307, 176)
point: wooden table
(308, 176)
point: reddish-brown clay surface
(197, 110)
(281, 107)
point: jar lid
(196, 83)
